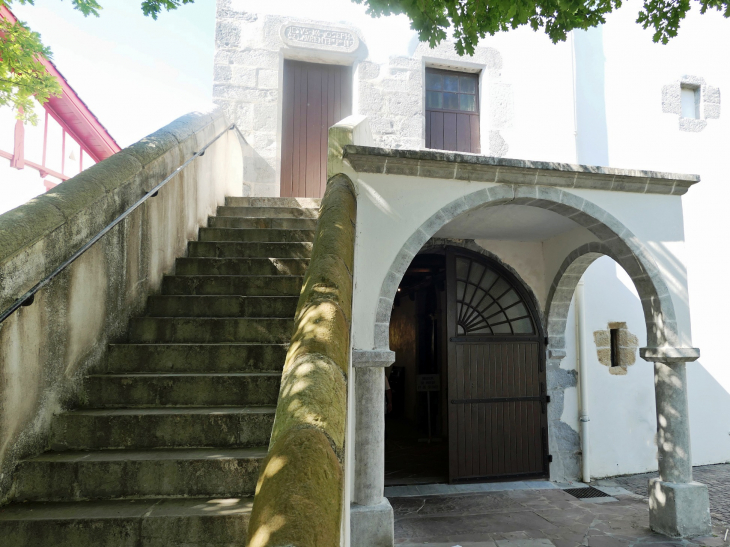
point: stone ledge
(372, 358)
(669, 354)
(457, 166)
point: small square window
(451, 101)
(434, 81)
(451, 83)
(690, 101)
(434, 99)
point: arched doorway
(469, 382)
(497, 393)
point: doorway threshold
(420, 490)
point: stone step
(241, 266)
(206, 330)
(155, 390)
(241, 285)
(209, 249)
(302, 203)
(188, 522)
(258, 223)
(130, 474)
(267, 212)
(181, 389)
(222, 306)
(181, 358)
(146, 428)
(260, 235)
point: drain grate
(585, 493)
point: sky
(135, 74)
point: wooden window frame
(476, 113)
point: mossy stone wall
(298, 500)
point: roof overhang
(471, 167)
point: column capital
(668, 354)
(372, 358)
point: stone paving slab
(446, 489)
(716, 477)
(531, 518)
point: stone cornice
(451, 165)
(372, 358)
(669, 354)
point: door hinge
(550, 458)
(546, 341)
(547, 399)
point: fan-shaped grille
(487, 303)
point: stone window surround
(709, 102)
(628, 344)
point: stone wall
(300, 488)
(47, 348)
(248, 79)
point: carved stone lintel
(313, 36)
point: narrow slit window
(615, 360)
(690, 101)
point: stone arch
(615, 240)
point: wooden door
(452, 111)
(315, 97)
(496, 383)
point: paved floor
(530, 518)
(716, 477)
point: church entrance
(468, 386)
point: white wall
(639, 135)
(621, 407)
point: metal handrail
(28, 298)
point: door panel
(497, 396)
(315, 97)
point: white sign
(428, 382)
(319, 37)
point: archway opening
(416, 427)
(468, 387)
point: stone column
(371, 516)
(678, 506)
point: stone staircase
(166, 446)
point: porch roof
(458, 166)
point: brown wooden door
(452, 111)
(496, 382)
(315, 97)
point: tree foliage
(22, 75)
(471, 20)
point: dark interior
(418, 337)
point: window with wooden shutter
(452, 111)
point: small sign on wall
(428, 382)
(319, 37)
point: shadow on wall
(259, 178)
(709, 416)
(590, 97)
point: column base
(679, 509)
(371, 525)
